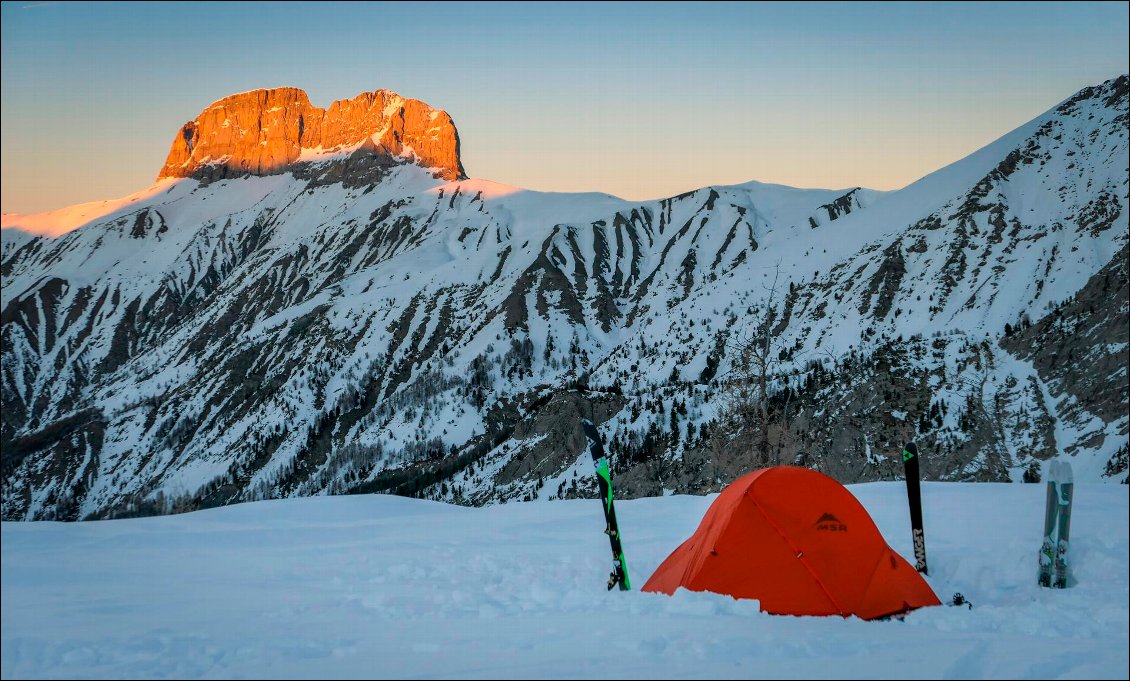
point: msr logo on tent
(830, 523)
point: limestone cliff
(263, 132)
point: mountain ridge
(281, 335)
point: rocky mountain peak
(327, 332)
(263, 132)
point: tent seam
(800, 556)
(875, 569)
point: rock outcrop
(201, 344)
(264, 132)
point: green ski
(619, 574)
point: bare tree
(748, 423)
(987, 405)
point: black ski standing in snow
(914, 496)
(619, 574)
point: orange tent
(800, 543)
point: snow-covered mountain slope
(376, 586)
(272, 336)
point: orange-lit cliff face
(268, 131)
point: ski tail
(1065, 489)
(619, 575)
(1051, 513)
(914, 497)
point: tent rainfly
(801, 544)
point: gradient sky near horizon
(638, 100)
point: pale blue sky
(638, 100)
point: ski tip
(1065, 473)
(1060, 471)
(591, 433)
(590, 429)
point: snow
(58, 222)
(532, 211)
(393, 255)
(379, 587)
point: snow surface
(55, 223)
(387, 587)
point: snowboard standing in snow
(604, 480)
(1057, 526)
(914, 496)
